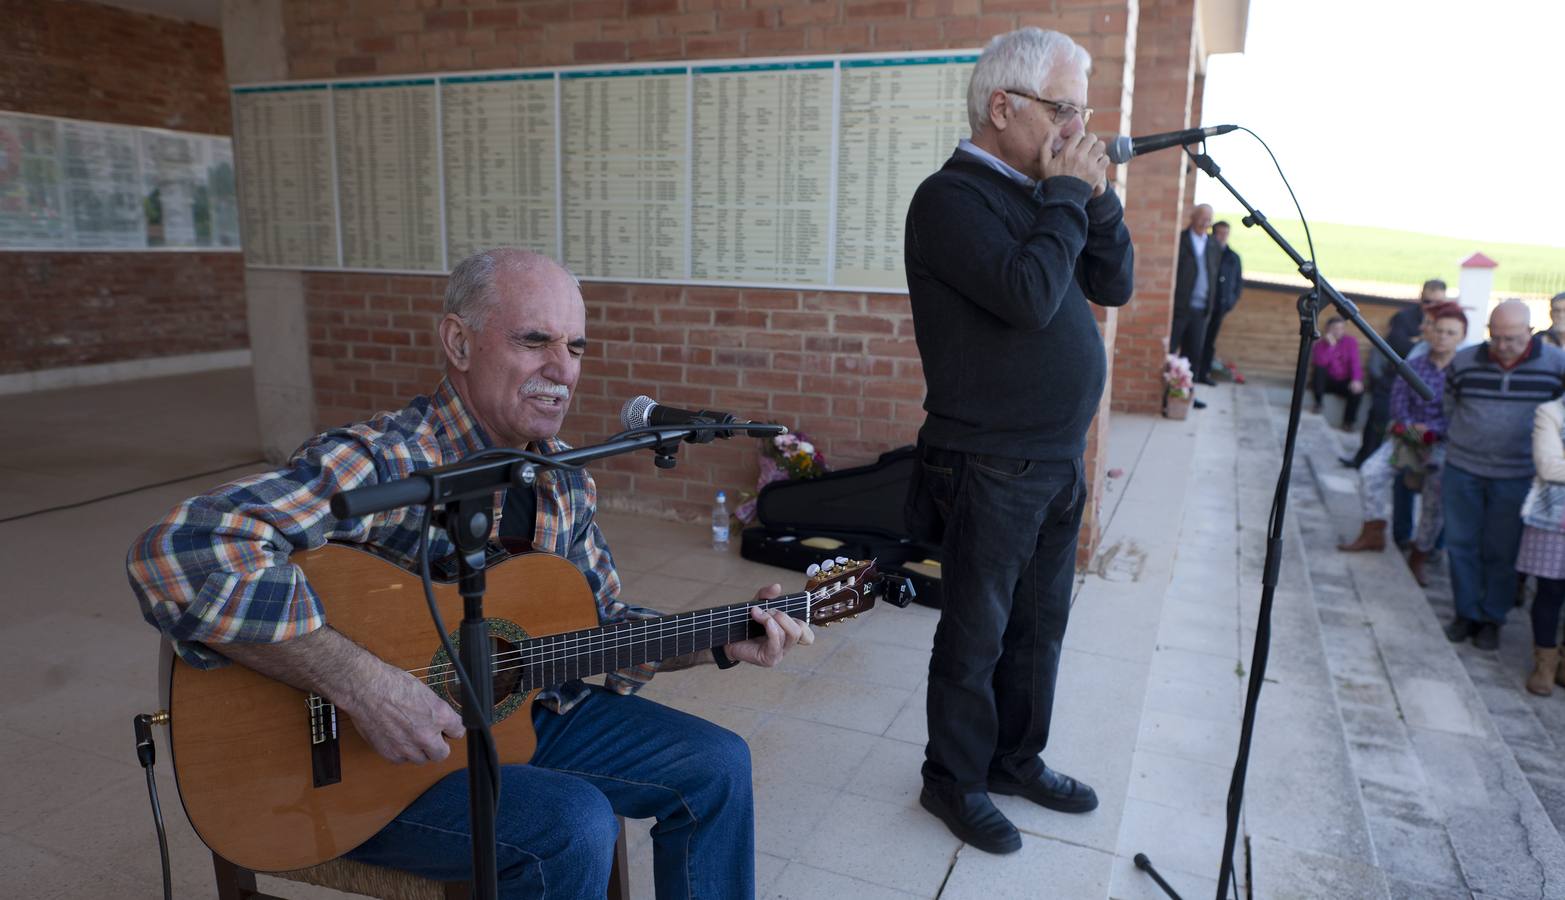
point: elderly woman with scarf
(1415, 450)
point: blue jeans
(556, 822)
(1483, 531)
(1008, 551)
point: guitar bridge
(325, 754)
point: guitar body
(245, 757)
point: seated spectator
(1543, 545)
(1338, 370)
(1413, 447)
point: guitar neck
(558, 658)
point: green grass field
(1353, 252)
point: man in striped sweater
(1491, 392)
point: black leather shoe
(1460, 630)
(973, 818)
(1198, 404)
(1052, 790)
(1347, 462)
(1487, 637)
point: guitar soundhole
(504, 640)
(507, 670)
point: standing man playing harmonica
(1005, 245)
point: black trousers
(1007, 529)
(1322, 384)
(1214, 324)
(1188, 335)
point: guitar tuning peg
(842, 560)
(813, 570)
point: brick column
(1165, 57)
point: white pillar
(1475, 292)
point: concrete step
(1448, 810)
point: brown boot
(1545, 668)
(1372, 537)
(1415, 564)
(1559, 677)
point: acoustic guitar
(274, 778)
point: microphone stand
(464, 492)
(1308, 307)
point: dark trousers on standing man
(1214, 324)
(1187, 335)
(1007, 529)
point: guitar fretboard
(558, 658)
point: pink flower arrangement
(1178, 380)
(786, 457)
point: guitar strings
(610, 636)
(556, 651)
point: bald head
(1200, 218)
(472, 291)
(1510, 327)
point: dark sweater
(999, 281)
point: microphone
(643, 412)
(1123, 147)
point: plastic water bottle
(720, 522)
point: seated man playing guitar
(215, 577)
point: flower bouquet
(786, 457)
(1178, 387)
(1413, 452)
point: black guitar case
(855, 513)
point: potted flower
(1178, 387)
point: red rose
(1430, 437)
(1399, 429)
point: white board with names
(900, 119)
(283, 151)
(498, 132)
(388, 175)
(761, 158)
(624, 149)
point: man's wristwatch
(723, 661)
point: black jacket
(999, 279)
(1184, 279)
(1230, 277)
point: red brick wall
(1164, 72)
(841, 366)
(86, 61)
(1261, 335)
(74, 309)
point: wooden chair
(235, 883)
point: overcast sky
(1440, 116)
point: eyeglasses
(1063, 111)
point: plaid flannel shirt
(216, 570)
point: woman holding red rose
(1415, 450)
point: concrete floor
(1147, 709)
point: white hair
(470, 293)
(1019, 60)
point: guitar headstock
(843, 588)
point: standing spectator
(1417, 428)
(1230, 272)
(1007, 248)
(1402, 334)
(1556, 333)
(1491, 392)
(1193, 283)
(1338, 370)
(1543, 544)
